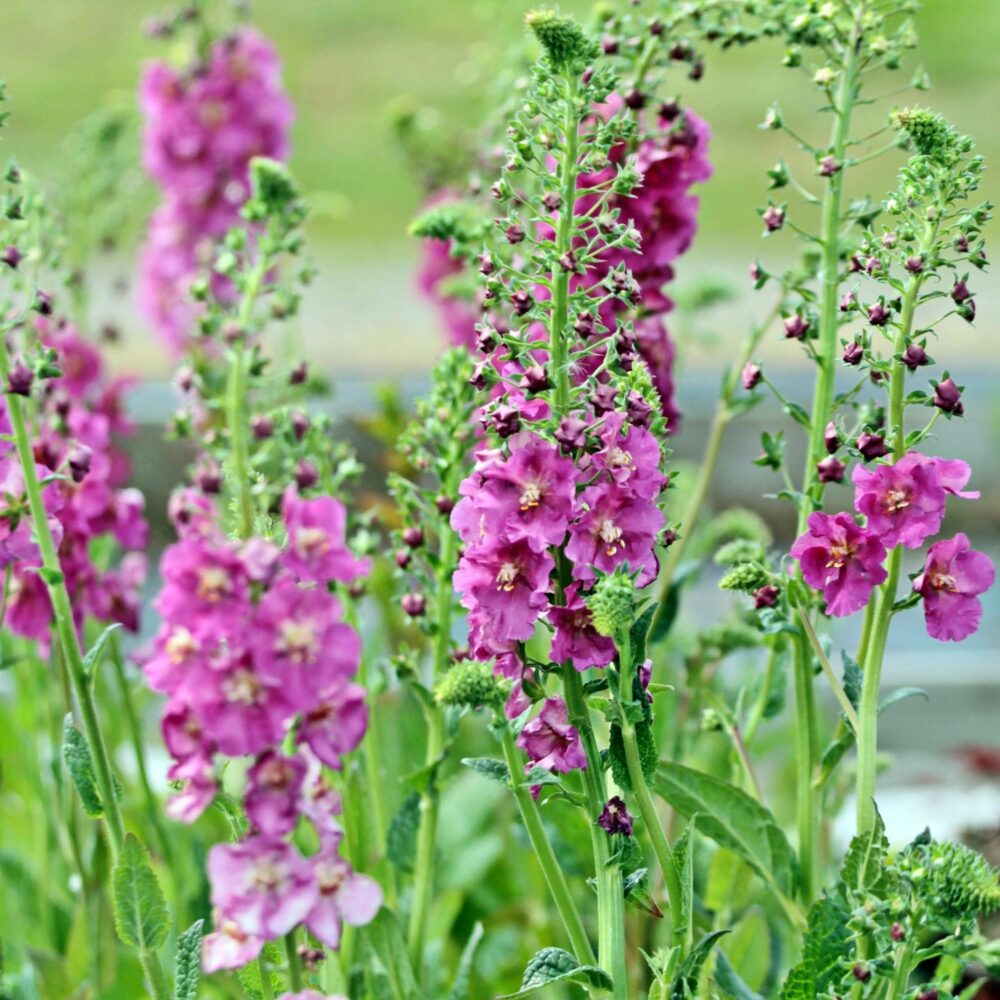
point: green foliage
(188, 962)
(80, 765)
(401, 837)
(686, 983)
(460, 986)
(388, 974)
(472, 684)
(566, 44)
(553, 965)
(489, 767)
(139, 907)
(824, 951)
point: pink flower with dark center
(344, 897)
(632, 458)
(614, 527)
(262, 884)
(842, 560)
(228, 947)
(336, 723)
(954, 576)
(507, 583)
(576, 638)
(198, 788)
(201, 577)
(272, 795)
(317, 550)
(905, 502)
(300, 643)
(550, 741)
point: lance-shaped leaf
(553, 965)
(139, 908)
(189, 962)
(80, 765)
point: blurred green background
(349, 62)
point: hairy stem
(806, 758)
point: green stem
(901, 978)
(63, 614)
(760, 703)
(155, 977)
(831, 676)
(294, 963)
(554, 877)
(806, 757)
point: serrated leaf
(638, 633)
(686, 982)
(489, 767)
(189, 962)
(93, 655)
(553, 965)
(139, 907)
(388, 973)
(460, 986)
(827, 941)
(401, 837)
(79, 763)
(863, 871)
(732, 819)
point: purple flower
(336, 724)
(317, 550)
(842, 560)
(344, 897)
(228, 947)
(954, 576)
(614, 527)
(904, 503)
(576, 638)
(263, 885)
(631, 456)
(550, 741)
(272, 796)
(615, 817)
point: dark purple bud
(829, 166)
(914, 264)
(300, 424)
(11, 256)
(766, 596)
(872, 446)
(233, 333)
(635, 99)
(656, 27)
(751, 376)
(755, 272)
(43, 303)
(669, 110)
(861, 973)
(878, 315)
(960, 292)
(853, 353)
(572, 434)
(184, 379)
(854, 265)
(831, 438)
(568, 262)
(967, 310)
(889, 240)
(552, 201)
(897, 932)
(209, 478)
(638, 410)
(479, 378)
(306, 474)
(796, 326)
(668, 538)
(610, 45)
(697, 70)
(615, 818)
(506, 420)
(914, 356)
(514, 233)
(486, 265)
(931, 994)
(299, 374)
(585, 325)
(444, 504)
(604, 398)
(872, 265)
(948, 397)
(486, 339)
(19, 379)
(962, 243)
(522, 301)
(79, 462)
(774, 218)
(848, 302)
(110, 333)
(535, 379)
(587, 76)
(403, 558)
(830, 470)
(262, 427)
(414, 604)
(680, 51)
(413, 535)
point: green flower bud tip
(739, 550)
(272, 184)
(471, 683)
(746, 577)
(612, 604)
(931, 135)
(565, 42)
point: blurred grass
(347, 62)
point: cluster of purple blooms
(903, 503)
(671, 159)
(253, 641)
(203, 126)
(85, 493)
(593, 495)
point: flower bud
(766, 596)
(572, 434)
(535, 379)
(615, 818)
(79, 459)
(872, 446)
(960, 292)
(300, 424)
(831, 438)
(299, 374)
(43, 303)
(413, 536)
(639, 412)
(914, 356)
(853, 353)
(444, 504)
(414, 604)
(403, 558)
(19, 379)
(948, 397)
(514, 233)
(522, 301)
(635, 99)
(829, 166)
(612, 604)
(472, 684)
(774, 218)
(262, 427)
(306, 474)
(506, 420)
(830, 470)
(796, 326)
(878, 315)
(209, 478)
(11, 256)
(751, 376)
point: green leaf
(80, 765)
(647, 754)
(401, 837)
(189, 962)
(684, 859)
(93, 656)
(864, 871)
(827, 942)
(388, 973)
(853, 678)
(901, 694)
(729, 980)
(139, 908)
(732, 819)
(671, 604)
(553, 965)
(686, 982)
(489, 767)
(637, 894)
(460, 986)
(638, 634)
